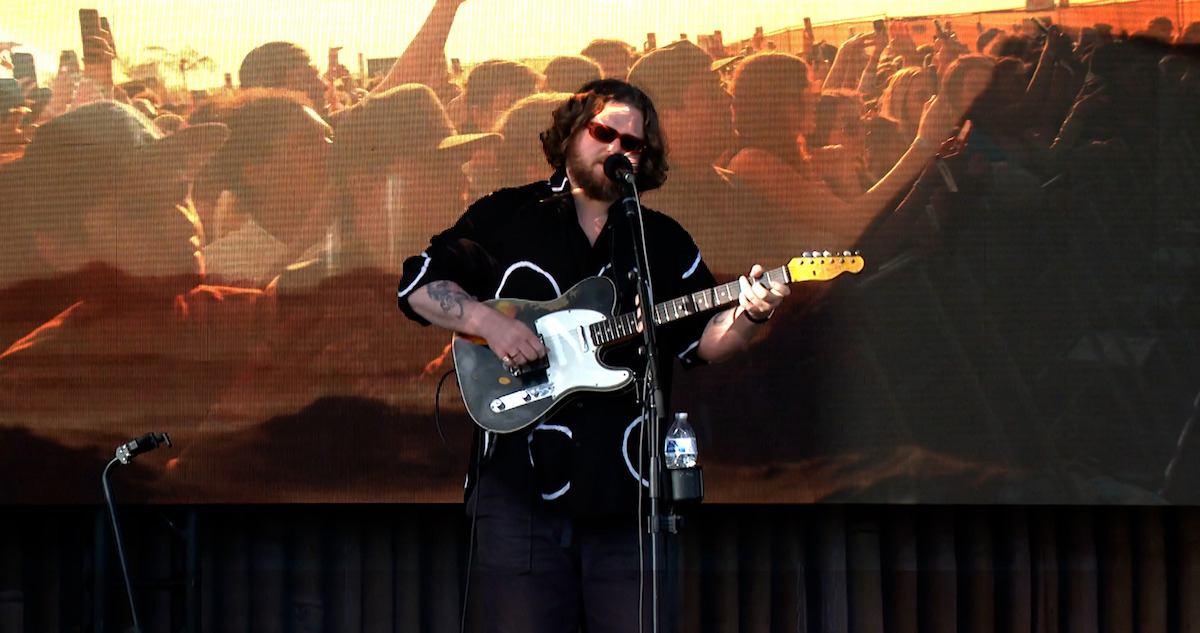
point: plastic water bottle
(680, 448)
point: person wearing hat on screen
(98, 199)
(556, 504)
(696, 115)
(98, 218)
(102, 185)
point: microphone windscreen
(616, 166)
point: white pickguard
(574, 363)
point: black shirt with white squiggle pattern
(527, 243)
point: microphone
(145, 443)
(618, 169)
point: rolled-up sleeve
(460, 254)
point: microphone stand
(124, 454)
(112, 515)
(653, 407)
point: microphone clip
(148, 442)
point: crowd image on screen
(141, 220)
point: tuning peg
(826, 254)
(806, 254)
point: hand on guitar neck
(760, 296)
(730, 332)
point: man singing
(556, 506)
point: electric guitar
(574, 327)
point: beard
(595, 187)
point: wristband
(752, 319)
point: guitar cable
(466, 599)
(437, 420)
(644, 396)
(437, 407)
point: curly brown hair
(573, 115)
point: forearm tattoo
(451, 299)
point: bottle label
(681, 446)
(680, 452)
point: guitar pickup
(539, 365)
(522, 397)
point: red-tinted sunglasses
(605, 134)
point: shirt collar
(559, 183)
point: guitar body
(502, 402)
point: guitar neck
(810, 267)
(624, 326)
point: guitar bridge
(523, 397)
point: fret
(722, 293)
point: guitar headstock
(823, 266)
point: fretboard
(624, 326)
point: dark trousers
(539, 572)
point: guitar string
(663, 311)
